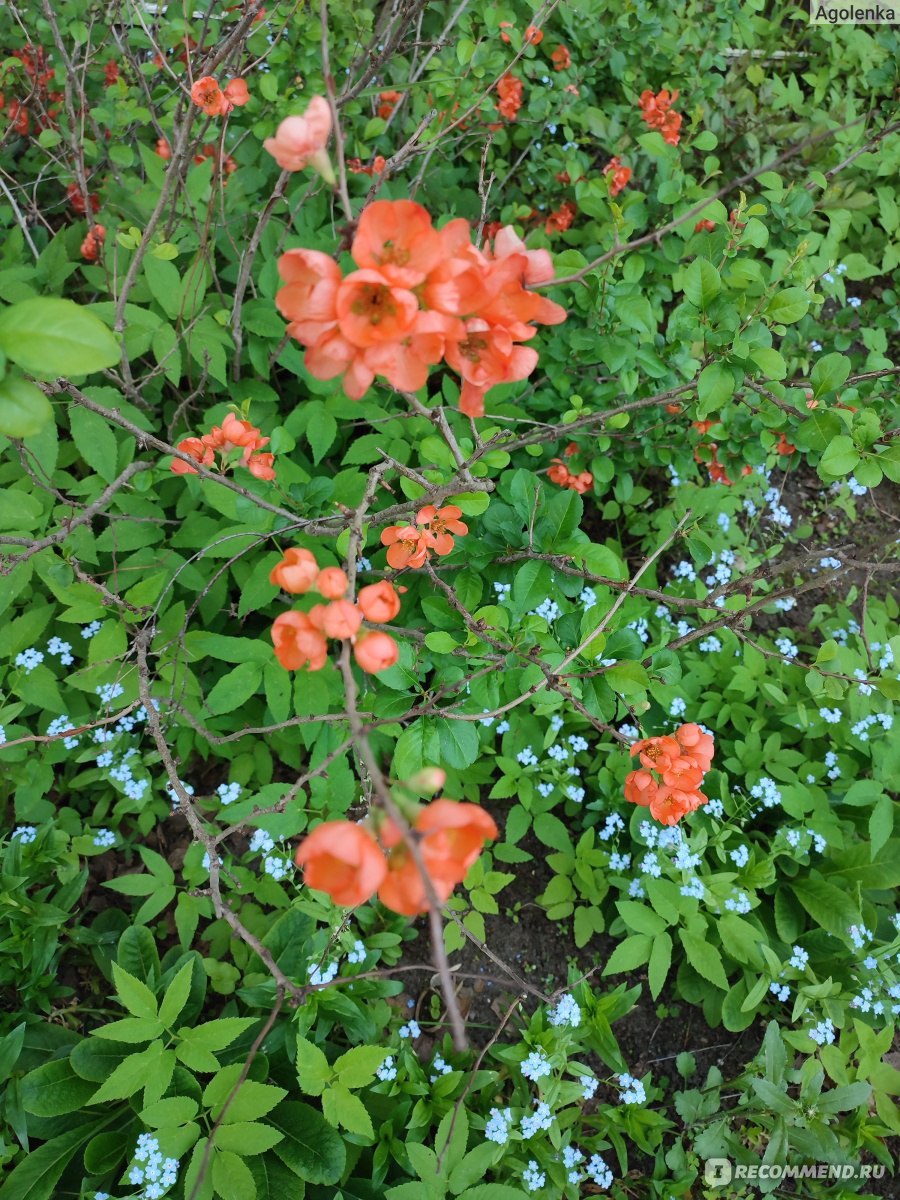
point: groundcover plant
(448, 572)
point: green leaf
(788, 306)
(704, 958)
(165, 284)
(770, 362)
(247, 1137)
(231, 1176)
(633, 952)
(234, 689)
(54, 1089)
(842, 1099)
(660, 962)
(493, 1191)
(228, 649)
(458, 741)
(311, 1148)
(35, 1176)
(253, 1100)
(715, 387)
(341, 1107)
(702, 283)
(24, 409)
(129, 1076)
(216, 1035)
(473, 1167)
(636, 313)
(829, 373)
(881, 824)
(176, 995)
(357, 1067)
(829, 906)
(772, 1096)
(132, 1029)
(313, 1069)
(840, 457)
(173, 1111)
(134, 994)
(320, 433)
(49, 337)
(640, 918)
(552, 832)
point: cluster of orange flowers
(411, 545)
(375, 167)
(657, 112)
(561, 218)
(233, 434)
(619, 175)
(388, 103)
(673, 772)
(420, 296)
(40, 74)
(78, 201)
(215, 101)
(300, 638)
(511, 92)
(93, 243)
(704, 226)
(560, 473)
(346, 861)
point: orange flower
(331, 583)
(670, 804)
(697, 743)
(453, 836)
(379, 602)
(388, 100)
(640, 787)
(558, 472)
(657, 752)
(561, 219)
(260, 465)
(784, 446)
(309, 298)
(237, 93)
(298, 643)
(619, 175)
(486, 356)
(704, 226)
(297, 571)
(581, 483)
(375, 651)
(344, 860)
(511, 92)
(341, 619)
(656, 111)
(110, 73)
(301, 141)
(78, 201)
(196, 449)
(443, 524)
(396, 238)
(504, 37)
(18, 117)
(561, 58)
(371, 311)
(407, 546)
(207, 94)
(93, 243)
(163, 149)
(534, 35)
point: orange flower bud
(379, 602)
(375, 651)
(340, 619)
(296, 572)
(331, 582)
(298, 643)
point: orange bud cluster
(388, 103)
(561, 58)
(411, 545)
(346, 861)
(375, 167)
(619, 175)
(78, 201)
(93, 243)
(673, 770)
(560, 473)
(657, 113)
(301, 638)
(233, 434)
(511, 92)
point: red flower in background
(511, 92)
(561, 59)
(619, 175)
(93, 243)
